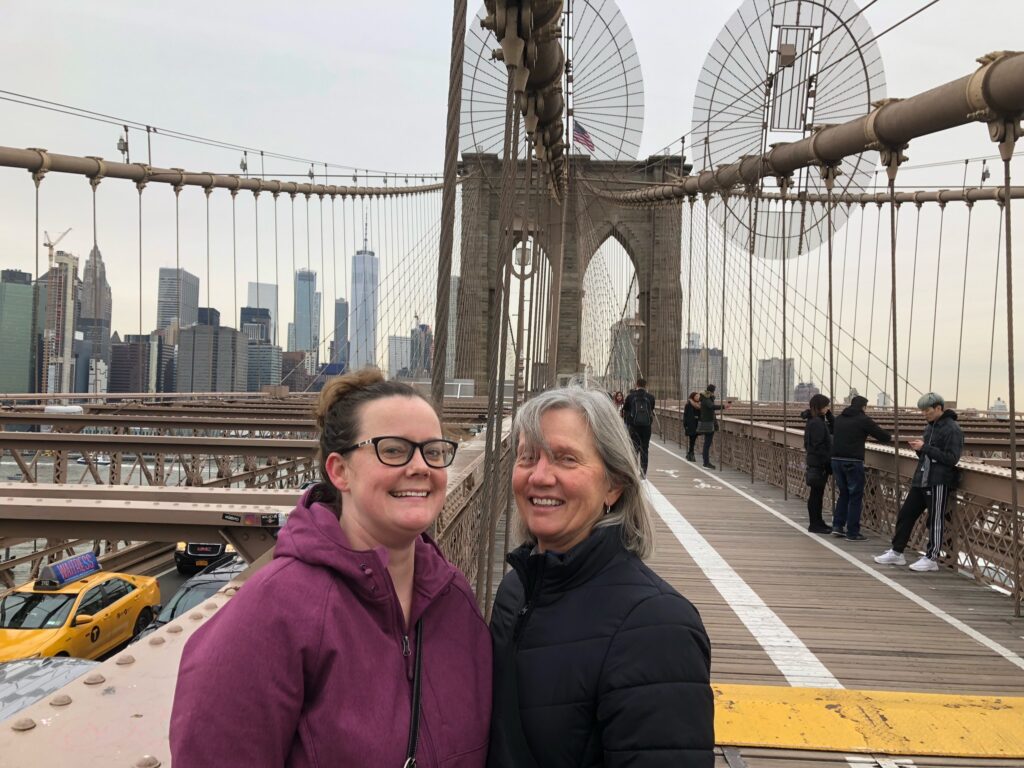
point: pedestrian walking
(934, 481)
(707, 424)
(851, 431)
(638, 413)
(691, 418)
(818, 452)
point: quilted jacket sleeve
(655, 707)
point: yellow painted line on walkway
(879, 722)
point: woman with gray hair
(597, 660)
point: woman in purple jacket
(312, 662)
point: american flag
(580, 135)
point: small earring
(607, 509)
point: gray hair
(613, 446)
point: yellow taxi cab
(75, 609)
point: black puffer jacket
(691, 415)
(938, 457)
(597, 662)
(818, 439)
(851, 430)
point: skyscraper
(135, 363)
(363, 329)
(453, 326)
(58, 327)
(15, 331)
(307, 312)
(264, 365)
(212, 359)
(94, 321)
(421, 350)
(167, 298)
(265, 295)
(339, 340)
(623, 365)
(770, 382)
(699, 367)
(399, 356)
(256, 324)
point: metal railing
(979, 539)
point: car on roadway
(191, 557)
(75, 609)
(200, 587)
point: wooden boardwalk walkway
(786, 607)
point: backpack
(641, 416)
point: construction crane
(51, 244)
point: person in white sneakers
(935, 479)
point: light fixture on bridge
(122, 145)
(244, 164)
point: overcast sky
(362, 84)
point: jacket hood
(805, 414)
(948, 413)
(313, 536)
(852, 410)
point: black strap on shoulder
(414, 717)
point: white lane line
(933, 609)
(795, 661)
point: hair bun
(340, 387)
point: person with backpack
(707, 424)
(638, 413)
(935, 480)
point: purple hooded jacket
(308, 664)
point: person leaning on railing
(359, 644)
(597, 660)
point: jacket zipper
(524, 613)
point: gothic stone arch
(651, 237)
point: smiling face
(384, 505)
(561, 494)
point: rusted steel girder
(35, 160)
(158, 445)
(247, 526)
(995, 90)
(113, 420)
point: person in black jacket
(707, 424)
(935, 479)
(691, 417)
(818, 452)
(851, 431)
(638, 412)
(598, 662)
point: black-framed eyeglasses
(397, 451)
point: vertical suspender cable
(963, 301)
(913, 287)
(721, 367)
(484, 553)
(1006, 151)
(995, 304)
(784, 185)
(871, 314)
(894, 158)
(448, 190)
(938, 274)
(277, 282)
(234, 256)
(755, 200)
